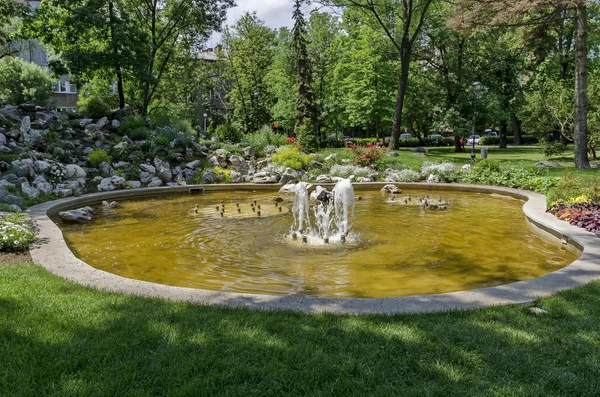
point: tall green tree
(281, 77)
(134, 40)
(323, 29)
(12, 15)
(305, 129)
(365, 76)
(248, 54)
(471, 13)
(401, 22)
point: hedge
(495, 140)
(412, 142)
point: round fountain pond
(480, 240)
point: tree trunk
(516, 128)
(503, 132)
(118, 72)
(402, 87)
(580, 136)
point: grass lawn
(524, 157)
(58, 338)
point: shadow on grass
(57, 338)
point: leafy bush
(227, 133)
(138, 134)
(265, 137)
(405, 175)
(17, 231)
(567, 188)
(23, 81)
(185, 125)
(488, 164)
(365, 155)
(518, 178)
(344, 171)
(98, 156)
(181, 139)
(292, 158)
(226, 174)
(307, 136)
(97, 98)
(93, 107)
(131, 123)
(554, 148)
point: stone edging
(51, 251)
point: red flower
(297, 147)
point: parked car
(471, 138)
(406, 136)
(489, 132)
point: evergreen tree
(306, 131)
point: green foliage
(131, 123)
(365, 156)
(292, 158)
(138, 134)
(518, 178)
(265, 137)
(227, 133)
(306, 135)
(98, 156)
(248, 55)
(23, 81)
(567, 188)
(490, 165)
(96, 99)
(224, 174)
(553, 148)
(185, 125)
(17, 231)
(495, 140)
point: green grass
(62, 339)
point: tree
(305, 107)
(401, 22)
(248, 53)
(282, 76)
(322, 31)
(136, 38)
(365, 76)
(471, 13)
(23, 81)
(11, 15)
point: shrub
(23, 81)
(365, 156)
(225, 174)
(93, 107)
(185, 125)
(405, 175)
(265, 137)
(138, 134)
(17, 232)
(344, 171)
(488, 164)
(227, 133)
(98, 156)
(554, 148)
(495, 140)
(292, 158)
(131, 123)
(518, 178)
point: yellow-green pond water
(480, 241)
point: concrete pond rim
(51, 251)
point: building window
(43, 58)
(64, 86)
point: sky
(274, 13)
